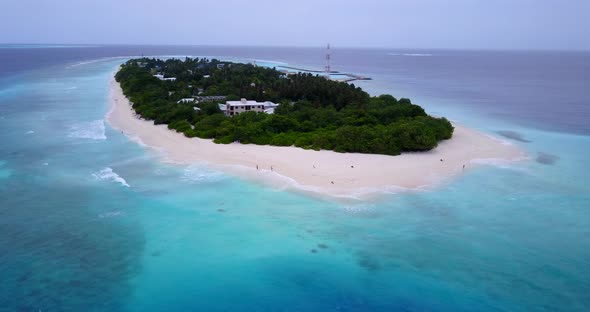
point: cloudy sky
(474, 24)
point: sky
(447, 24)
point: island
(264, 106)
(296, 131)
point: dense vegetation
(314, 112)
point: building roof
(161, 77)
(244, 102)
(185, 100)
(269, 104)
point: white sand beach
(324, 172)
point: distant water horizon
(471, 72)
(90, 220)
(321, 46)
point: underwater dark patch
(513, 135)
(546, 159)
(368, 263)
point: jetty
(347, 76)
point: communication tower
(328, 61)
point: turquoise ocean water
(91, 221)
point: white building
(161, 77)
(186, 100)
(232, 108)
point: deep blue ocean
(92, 221)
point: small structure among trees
(233, 108)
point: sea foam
(358, 208)
(110, 214)
(4, 172)
(510, 164)
(94, 130)
(81, 63)
(200, 174)
(409, 54)
(107, 174)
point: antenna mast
(328, 61)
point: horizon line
(305, 46)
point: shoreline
(340, 175)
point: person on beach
(271, 169)
(256, 167)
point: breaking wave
(94, 130)
(198, 174)
(510, 164)
(107, 174)
(358, 208)
(110, 214)
(409, 54)
(94, 61)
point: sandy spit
(344, 175)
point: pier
(351, 77)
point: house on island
(232, 108)
(161, 77)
